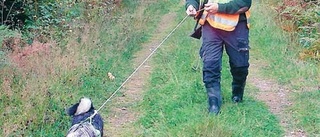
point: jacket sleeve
(233, 6)
(194, 3)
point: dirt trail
(275, 96)
(122, 114)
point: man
(225, 24)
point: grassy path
(123, 113)
(275, 96)
(171, 73)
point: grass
(5, 33)
(307, 118)
(176, 103)
(33, 100)
(279, 50)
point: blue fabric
(214, 41)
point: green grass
(33, 102)
(176, 103)
(279, 50)
(305, 112)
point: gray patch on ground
(275, 96)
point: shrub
(42, 19)
(305, 15)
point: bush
(305, 15)
(12, 13)
(44, 19)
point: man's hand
(211, 7)
(191, 11)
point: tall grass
(34, 97)
(5, 33)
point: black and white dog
(82, 125)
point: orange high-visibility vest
(227, 22)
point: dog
(82, 125)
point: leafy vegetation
(12, 13)
(304, 18)
(48, 20)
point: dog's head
(83, 106)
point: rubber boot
(238, 84)
(237, 92)
(214, 100)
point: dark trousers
(236, 44)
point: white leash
(137, 68)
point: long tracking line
(145, 60)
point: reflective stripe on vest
(248, 18)
(222, 21)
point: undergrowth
(304, 17)
(6, 34)
(36, 90)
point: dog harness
(83, 129)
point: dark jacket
(231, 7)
